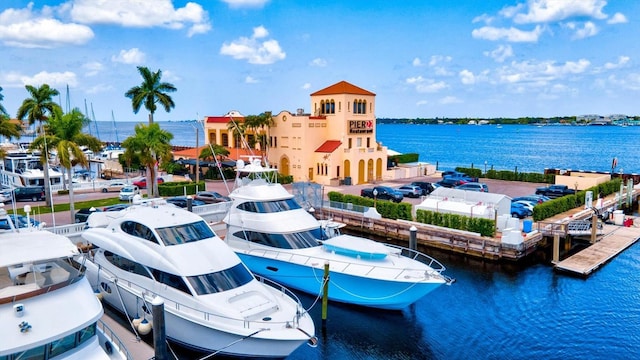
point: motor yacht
(47, 307)
(278, 239)
(212, 302)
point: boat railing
(283, 289)
(421, 257)
(110, 335)
(343, 266)
(185, 310)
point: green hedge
(510, 175)
(557, 206)
(177, 188)
(387, 209)
(486, 227)
(404, 158)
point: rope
(231, 344)
(126, 313)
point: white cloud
(426, 85)
(449, 100)
(467, 77)
(30, 29)
(246, 3)
(436, 59)
(483, 18)
(100, 88)
(422, 102)
(417, 62)
(306, 86)
(93, 68)
(131, 56)
(170, 76)
(319, 62)
(254, 51)
(622, 60)
(588, 29)
(500, 53)
(511, 34)
(53, 79)
(540, 73)
(541, 11)
(250, 80)
(141, 13)
(618, 18)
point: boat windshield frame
(185, 233)
(220, 281)
(297, 240)
(271, 206)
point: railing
(111, 336)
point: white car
(114, 186)
(528, 204)
(128, 192)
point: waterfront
(497, 311)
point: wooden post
(413, 242)
(594, 228)
(556, 248)
(159, 331)
(325, 294)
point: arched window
(322, 107)
(364, 106)
(355, 106)
(333, 107)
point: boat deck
(138, 349)
(616, 239)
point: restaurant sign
(360, 126)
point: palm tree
(64, 133)
(153, 145)
(258, 123)
(3, 111)
(36, 108)
(237, 131)
(150, 92)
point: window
(299, 240)
(359, 142)
(265, 207)
(220, 281)
(350, 143)
(182, 234)
(126, 264)
(359, 106)
(60, 346)
(138, 230)
(368, 142)
(225, 140)
(172, 280)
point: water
(496, 311)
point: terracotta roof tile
(343, 87)
(329, 146)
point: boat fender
(145, 327)
(108, 347)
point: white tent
(467, 203)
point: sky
(422, 58)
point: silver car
(412, 191)
(128, 192)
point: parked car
(83, 214)
(555, 191)
(528, 204)
(33, 193)
(181, 201)
(462, 177)
(473, 186)
(211, 197)
(451, 173)
(142, 183)
(19, 221)
(412, 191)
(382, 193)
(450, 182)
(114, 186)
(116, 207)
(426, 187)
(6, 194)
(128, 192)
(533, 198)
(519, 210)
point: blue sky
(422, 58)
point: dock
(138, 349)
(616, 239)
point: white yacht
(212, 302)
(47, 306)
(21, 168)
(278, 239)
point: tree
(64, 133)
(153, 146)
(151, 92)
(260, 126)
(36, 108)
(3, 111)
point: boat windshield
(298, 240)
(264, 207)
(221, 280)
(181, 234)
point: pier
(615, 240)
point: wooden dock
(615, 239)
(138, 349)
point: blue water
(495, 311)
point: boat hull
(345, 288)
(191, 333)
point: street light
(375, 197)
(485, 168)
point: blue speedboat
(278, 239)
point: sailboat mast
(93, 117)
(86, 111)
(115, 128)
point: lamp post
(485, 168)
(375, 197)
(197, 154)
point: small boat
(212, 301)
(21, 168)
(278, 239)
(47, 307)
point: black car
(33, 193)
(83, 214)
(450, 182)
(181, 201)
(426, 187)
(211, 197)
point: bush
(177, 188)
(485, 227)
